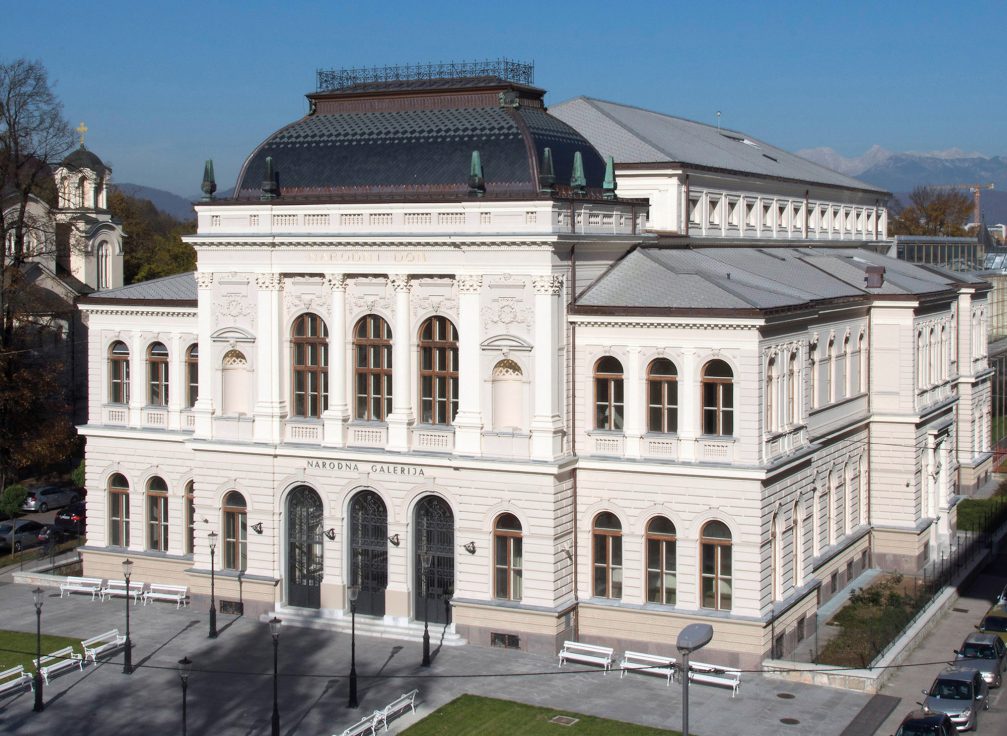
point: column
(137, 379)
(634, 403)
(334, 419)
(468, 423)
(690, 418)
(203, 410)
(270, 406)
(546, 425)
(401, 418)
(176, 382)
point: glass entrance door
(434, 585)
(369, 548)
(304, 548)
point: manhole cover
(789, 721)
(785, 696)
(960, 610)
(563, 720)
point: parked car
(922, 723)
(960, 692)
(995, 621)
(19, 533)
(44, 498)
(986, 653)
(72, 519)
(1002, 598)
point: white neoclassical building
(429, 351)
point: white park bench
(15, 679)
(158, 592)
(117, 588)
(54, 663)
(649, 664)
(102, 644)
(711, 674)
(394, 709)
(574, 651)
(366, 725)
(80, 585)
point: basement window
(506, 641)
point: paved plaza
(230, 691)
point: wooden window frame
(438, 371)
(157, 374)
(235, 546)
(309, 366)
(612, 540)
(190, 517)
(792, 393)
(157, 515)
(191, 375)
(717, 544)
(118, 373)
(377, 405)
(608, 419)
(513, 587)
(667, 409)
(662, 539)
(118, 511)
(721, 384)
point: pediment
(232, 334)
(506, 343)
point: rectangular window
(118, 508)
(157, 519)
(235, 540)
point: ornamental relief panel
(436, 300)
(233, 307)
(369, 299)
(507, 314)
(306, 295)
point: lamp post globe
(274, 630)
(37, 597)
(184, 670)
(127, 657)
(353, 592)
(212, 536)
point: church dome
(82, 158)
(415, 138)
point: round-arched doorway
(369, 551)
(305, 561)
(435, 581)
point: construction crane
(976, 190)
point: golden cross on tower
(81, 129)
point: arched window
(718, 398)
(830, 372)
(157, 374)
(309, 344)
(235, 531)
(830, 515)
(862, 350)
(771, 384)
(776, 555)
(118, 511)
(372, 348)
(608, 394)
(797, 542)
(234, 384)
(716, 575)
(932, 372)
(508, 557)
(662, 396)
(792, 392)
(508, 396)
(816, 522)
(662, 563)
(813, 373)
(438, 371)
(846, 368)
(191, 375)
(78, 195)
(103, 261)
(118, 373)
(157, 514)
(607, 536)
(190, 519)
(921, 371)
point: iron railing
(330, 80)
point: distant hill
(178, 207)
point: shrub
(12, 498)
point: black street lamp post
(425, 559)
(37, 595)
(127, 659)
(274, 629)
(354, 591)
(184, 670)
(213, 601)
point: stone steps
(366, 625)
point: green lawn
(17, 647)
(471, 715)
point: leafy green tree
(12, 498)
(933, 211)
(153, 247)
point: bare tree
(34, 135)
(933, 211)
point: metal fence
(512, 71)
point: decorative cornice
(268, 281)
(469, 284)
(551, 284)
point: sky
(164, 86)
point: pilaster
(203, 410)
(137, 379)
(335, 417)
(468, 423)
(635, 403)
(546, 425)
(270, 406)
(401, 418)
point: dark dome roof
(84, 159)
(415, 140)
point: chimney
(875, 277)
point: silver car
(44, 498)
(960, 692)
(986, 653)
(18, 533)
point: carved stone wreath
(507, 312)
(233, 308)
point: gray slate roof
(754, 278)
(633, 135)
(180, 287)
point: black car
(926, 723)
(71, 520)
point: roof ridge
(657, 149)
